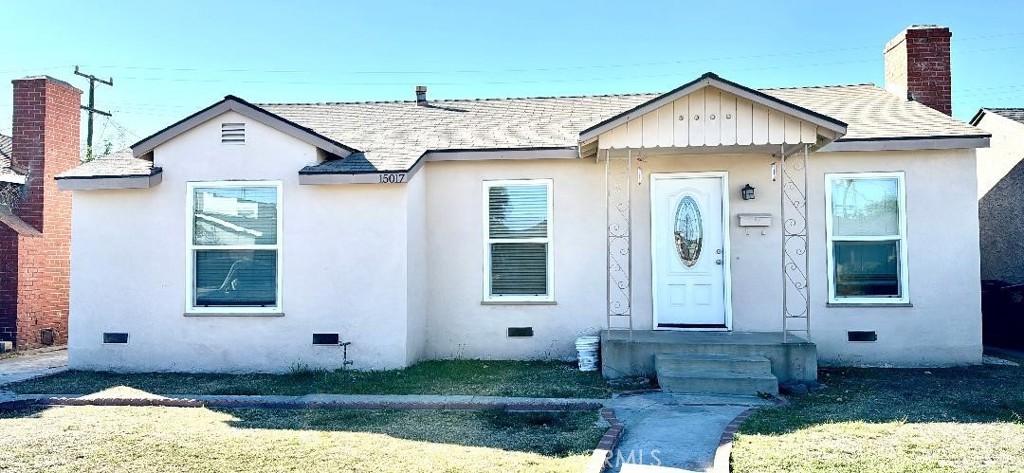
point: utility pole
(91, 108)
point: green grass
(893, 420)
(157, 439)
(472, 377)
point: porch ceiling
(712, 115)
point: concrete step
(719, 383)
(676, 364)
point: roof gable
(250, 111)
(654, 109)
(1015, 114)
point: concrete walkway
(122, 395)
(673, 432)
(32, 364)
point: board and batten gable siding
(942, 326)
(344, 266)
(709, 117)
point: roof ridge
(478, 99)
(830, 86)
(536, 97)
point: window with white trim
(867, 238)
(234, 247)
(517, 226)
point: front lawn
(893, 420)
(471, 377)
(155, 439)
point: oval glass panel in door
(689, 231)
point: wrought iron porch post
(796, 297)
(618, 214)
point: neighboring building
(35, 217)
(257, 237)
(1001, 194)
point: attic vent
(232, 133)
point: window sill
(518, 302)
(868, 304)
(234, 314)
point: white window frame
(191, 248)
(549, 240)
(903, 267)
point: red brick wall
(46, 136)
(920, 64)
(8, 283)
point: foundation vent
(520, 331)
(46, 336)
(232, 133)
(862, 336)
(326, 339)
(115, 337)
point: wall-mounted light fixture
(747, 192)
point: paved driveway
(31, 364)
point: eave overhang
(100, 182)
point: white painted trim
(190, 248)
(907, 144)
(904, 266)
(489, 298)
(726, 247)
(13, 178)
(399, 177)
(570, 152)
(116, 182)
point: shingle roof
(1015, 114)
(394, 135)
(873, 113)
(6, 145)
(117, 164)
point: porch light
(747, 192)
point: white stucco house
(253, 237)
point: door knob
(718, 261)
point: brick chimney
(917, 66)
(36, 244)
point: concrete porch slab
(625, 353)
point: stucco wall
(416, 289)
(942, 326)
(398, 269)
(344, 266)
(1001, 200)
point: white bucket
(587, 349)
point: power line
(91, 108)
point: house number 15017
(392, 178)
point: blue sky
(169, 59)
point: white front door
(688, 245)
